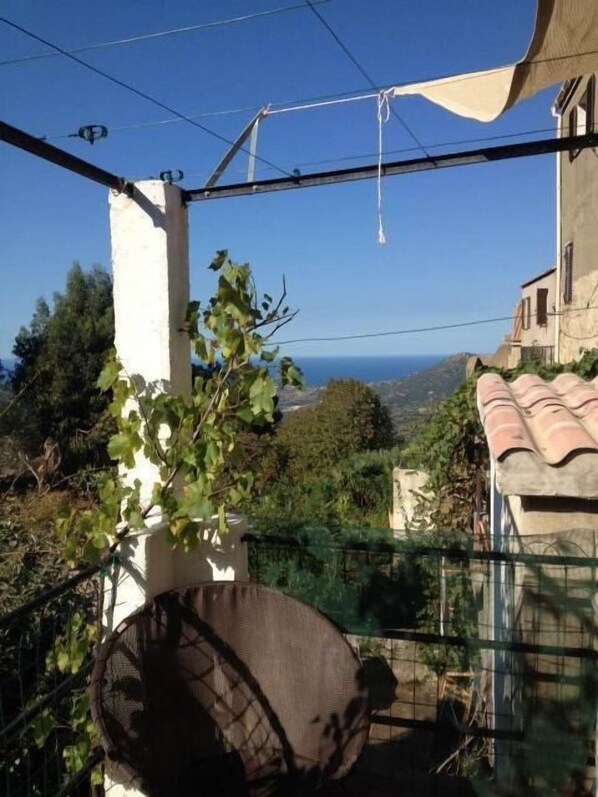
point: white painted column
(150, 266)
(150, 263)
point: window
(567, 274)
(526, 312)
(572, 131)
(585, 115)
(581, 118)
(542, 307)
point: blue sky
(459, 242)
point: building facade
(577, 223)
(537, 318)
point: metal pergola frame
(524, 149)
(25, 141)
(37, 146)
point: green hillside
(409, 399)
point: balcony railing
(543, 355)
(481, 665)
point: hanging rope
(383, 116)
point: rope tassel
(383, 116)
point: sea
(318, 370)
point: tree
(195, 440)
(350, 419)
(60, 356)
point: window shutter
(526, 307)
(590, 102)
(567, 276)
(542, 307)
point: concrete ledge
(523, 473)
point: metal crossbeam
(35, 146)
(465, 158)
(21, 140)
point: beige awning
(564, 45)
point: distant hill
(409, 399)
(413, 397)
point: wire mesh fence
(481, 665)
(45, 659)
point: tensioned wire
(307, 103)
(447, 77)
(403, 150)
(417, 330)
(358, 65)
(136, 91)
(161, 34)
(297, 105)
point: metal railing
(543, 355)
(481, 664)
(38, 689)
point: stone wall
(408, 490)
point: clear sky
(459, 242)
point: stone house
(577, 227)
(537, 318)
(533, 333)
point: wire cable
(403, 150)
(438, 327)
(439, 145)
(320, 100)
(363, 72)
(136, 91)
(161, 34)
(360, 336)
(161, 122)
(253, 109)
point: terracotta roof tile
(555, 420)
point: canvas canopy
(564, 45)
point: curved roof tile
(555, 420)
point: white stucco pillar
(150, 263)
(150, 266)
